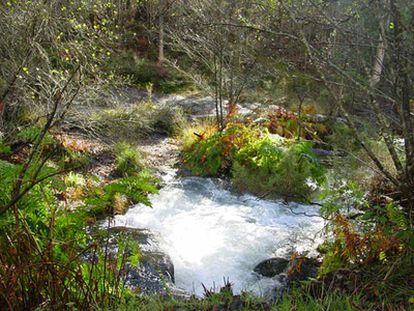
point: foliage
(299, 298)
(259, 162)
(288, 124)
(135, 189)
(52, 261)
(371, 235)
(142, 72)
(44, 264)
(273, 165)
(127, 159)
(54, 52)
(139, 121)
(214, 155)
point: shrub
(257, 161)
(121, 193)
(214, 155)
(141, 120)
(127, 159)
(207, 157)
(277, 166)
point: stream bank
(204, 233)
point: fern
(135, 188)
(8, 175)
(274, 165)
(127, 159)
(396, 216)
(32, 133)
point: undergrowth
(299, 298)
(130, 123)
(50, 260)
(127, 159)
(142, 72)
(257, 161)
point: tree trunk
(161, 57)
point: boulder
(307, 269)
(154, 273)
(296, 271)
(271, 267)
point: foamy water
(211, 234)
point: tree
(365, 50)
(224, 55)
(53, 55)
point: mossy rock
(272, 267)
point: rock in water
(308, 268)
(154, 273)
(272, 267)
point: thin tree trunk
(377, 69)
(221, 91)
(161, 39)
(216, 92)
(402, 83)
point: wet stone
(154, 273)
(271, 267)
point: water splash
(211, 233)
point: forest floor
(160, 152)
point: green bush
(277, 166)
(121, 193)
(47, 246)
(257, 161)
(206, 157)
(212, 154)
(127, 159)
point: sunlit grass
(191, 132)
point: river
(211, 233)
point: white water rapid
(211, 233)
